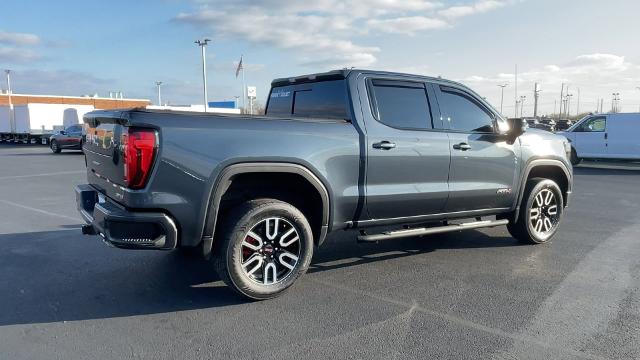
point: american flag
(239, 67)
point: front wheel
(55, 147)
(540, 212)
(264, 246)
(575, 160)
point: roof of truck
(344, 73)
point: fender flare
(225, 178)
(527, 170)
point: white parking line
(11, 203)
(42, 175)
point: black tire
(524, 229)
(230, 247)
(575, 160)
(55, 147)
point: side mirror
(62, 132)
(517, 127)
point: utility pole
(11, 117)
(561, 101)
(569, 96)
(515, 96)
(536, 94)
(203, 44)
(158, 84)
(502, 86)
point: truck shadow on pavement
(57, 276)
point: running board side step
(429, 231)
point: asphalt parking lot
(469, 295)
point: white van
(605, 136)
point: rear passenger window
(324, 99)
(464, 112)
(401, 104)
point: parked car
(547, 124)
(67, 139)
(392, 155)
(563, 124)
(605, 136)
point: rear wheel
(55, 147)
(540, 212)
(264, 246)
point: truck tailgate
(102, 147)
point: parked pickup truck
(392, 155)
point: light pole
(578, 107)
(203, 44)
(569, 96)
(522, 99)
(614, 102)
(502, 86)
(159, 84)
(11, 120)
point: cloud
(21, 39)
(596, 76)
(12, 55)
(326, 33)
(14, 47)
(61, 82)
(407, 25)
(481, 6)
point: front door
(591, 137)
(407, 159)
(483, 163)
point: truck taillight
(139, 150)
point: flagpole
(244, 88)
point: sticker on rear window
(279, 94)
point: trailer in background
(35, 123)
(34, 118)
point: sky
(87, 47)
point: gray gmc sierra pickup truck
(392, 155)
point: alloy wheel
(543, 214)
(270, 251)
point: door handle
(384, 145)
(606, 136)
(462, 146)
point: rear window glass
(402, 104)
(327, 99)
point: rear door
(407, 159)
(483, 163)
(591, 137)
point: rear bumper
(122, 228)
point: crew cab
(392, 155)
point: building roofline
(73, 97)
